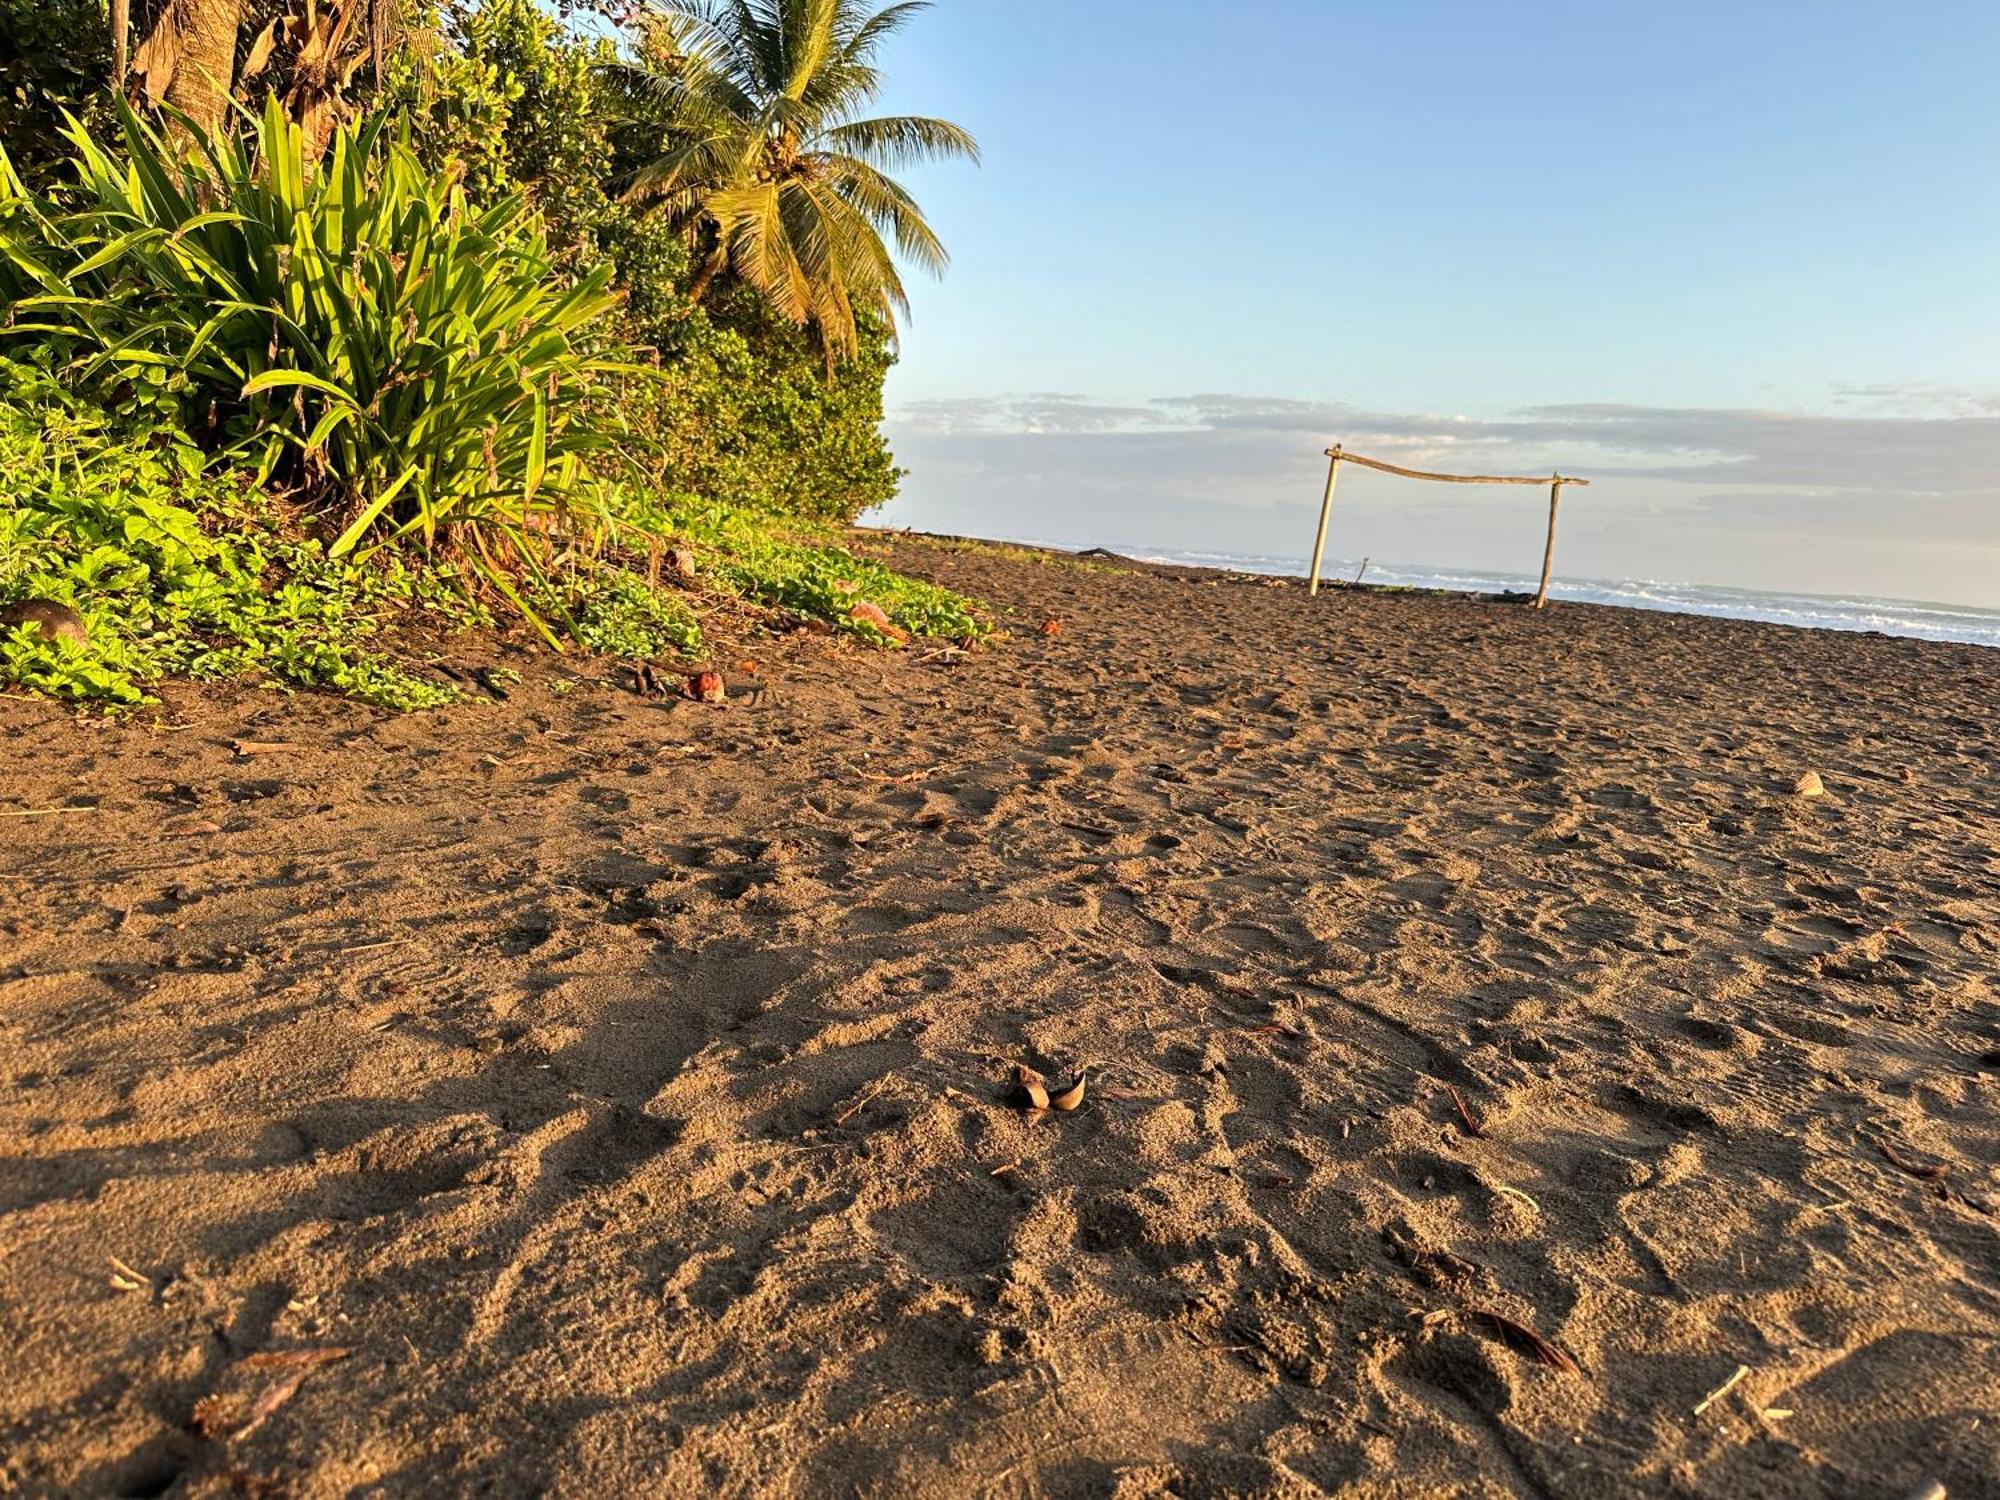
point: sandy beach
(1488, 1055)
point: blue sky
(1741, 262)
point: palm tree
(770, 169)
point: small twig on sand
(126, 1279)
(293, 1359)
(371, 947)
(1929, 1174)
(41, 812)
(1465, 1115)
(860, 1104)
(263, 747)
(905, 778)
(1722, 1390)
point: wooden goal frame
(1337, 455)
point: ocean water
(1908, 617)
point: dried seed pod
(1028, 1089)
(1071, 1097)
(1052, 626)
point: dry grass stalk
(293, 1359)
(1722, 1390)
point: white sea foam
(1904, 617)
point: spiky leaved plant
(368, 337)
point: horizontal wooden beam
(1375, 463)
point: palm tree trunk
(189, 59)
(711, 267)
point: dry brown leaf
(275, 1395)
(1071, 1097)
(1524, 1340)
(1929, 1174)
(260, 51)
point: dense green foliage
(54, 57)
(362, 334)
(258, 405)
(174, 569)
(747, 408)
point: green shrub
(279, 371)
(54, 58)
(611, 609)
(364, 335)
(174, 570)
(746, 410)
(808, 574)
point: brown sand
(624, 1086)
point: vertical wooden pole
(1325, 516)
(1549, 551)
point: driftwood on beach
(1337, 455)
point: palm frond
(768, 170)
(901, 140)
(889, 206)
(875, 29)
